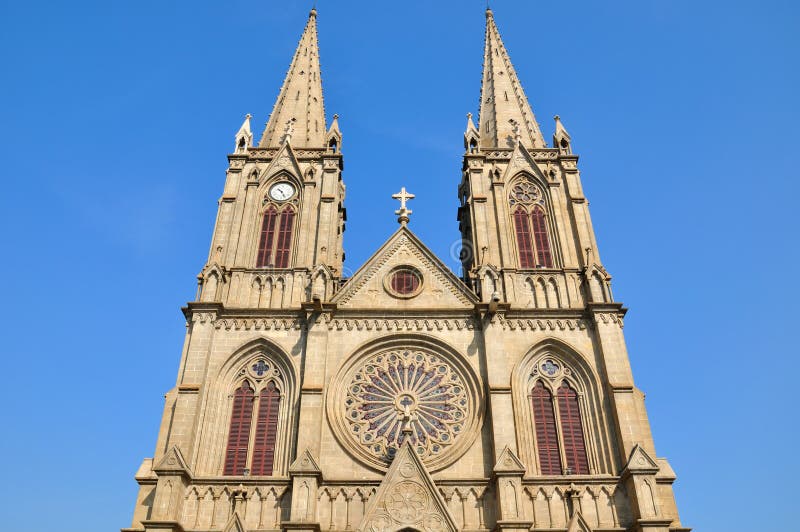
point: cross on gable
(403, 196)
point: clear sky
(114, 125)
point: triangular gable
(305, 464)
(640, 462)
(521, 161)
(508, 463)
(577, 523)
(172, 463)
(440, 288)
(407, 497)
(284, 160)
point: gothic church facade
(404, 397)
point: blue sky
(114, 125)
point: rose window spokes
(526, 193)
(406, 394)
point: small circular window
(404, 281)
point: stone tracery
(406, 386)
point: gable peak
(407, 479)
(640, 462)
(508, 462)
(439, 287)
(305, 463)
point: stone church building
(404, 397)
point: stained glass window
(405, 281)
(275, 241)
(266, 430)
(572, 430)
(239, 432)
(406, 394)
(544, 421)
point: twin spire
(299, 111)
(505, 116)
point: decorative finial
(313, 12)
(248, 116)
(336, 117)
(402, 213)
(469, 116)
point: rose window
(402, 394)
(525, 193)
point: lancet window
(530, 226)
(275, 237)
(255, 405)
(558, 425)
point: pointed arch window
(258, 419)
(269, 401)
(572, 430)
(239, 432)
(530, 226)
(546, 435)
(275, 240)
(523, 231)
(542, 243)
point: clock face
(281, 191)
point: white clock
(281, 191)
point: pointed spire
(561, 138)
(505, 117)
(471, 136)
(333, 138)
(244, 137)
(334, 129)
(299, 109)
(470, 124)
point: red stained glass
(546, 437)
(266, 430)
(267, 237)
(524, 244)
(239, 432)
(543, 255)
(405, 282)
(572, 430)
(284, 243)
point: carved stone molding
(203, 317)
(550, 324)
(610, 317)
(400, 324)
(274, 324)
